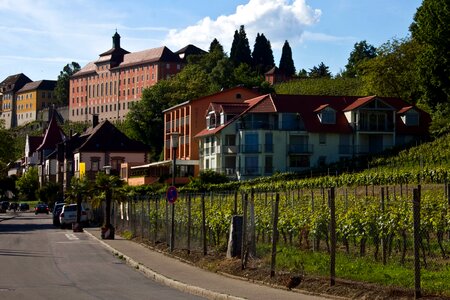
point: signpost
(172, 194)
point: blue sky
(39, 37)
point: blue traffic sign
(172, 194)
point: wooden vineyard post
(416, 214)
(189, 224)
(244, 232)
(274, 236)
(205, 249)
(331, 203)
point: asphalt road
(40, 261)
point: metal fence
(403, 226)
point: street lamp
(174, 145)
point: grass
(434, 280)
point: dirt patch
(257, 271)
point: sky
(39, 37)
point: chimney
(94, 120)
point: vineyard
(374, 227)
(367, 234)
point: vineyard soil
(257, 271)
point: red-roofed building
(281, 133)
(187, 119)
(110, 85)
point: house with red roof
(291, 133)
(184, 121)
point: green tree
(145, 120)
(79, 189)
(240, 48)
(362, 51)
(107, 184)
(215, 46)
(431, 29)
(49, 193)
(321, 71)
(392, 73)
(246, 76)
(62, 84)
(286, 62)
(28, 184)
(262, 55)
(8, 150)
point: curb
(173, 283)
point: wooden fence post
(274, 236)
(205, 245)
(332, 205)
(416, 214)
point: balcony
(251, 171)
(257, 125)
(300, 148)
(246, 148)
(229, 149)
(346, 149)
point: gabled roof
(184, 52)
(307, 107)
(404, 109)
(161, 54)
(359, 102)
(321, 107)
(105, 137)
(46, 85)
(14, 82)
(211, 96)
(53, 135)
(33, 143)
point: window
(268, 166)
(95, 164)
(327, 116)
(299, 161)
(251, 165)
(230, 140)
(251, 143)
(322, 138)
(411, 118)
(268, 146)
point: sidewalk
(188, 278)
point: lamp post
(174, 145)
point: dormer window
(410, 118)
(211, 120)
(327, 116)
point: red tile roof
(53, 135)
(308, 106)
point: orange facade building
(187, 119)
(109, 86)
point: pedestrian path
(189, 278)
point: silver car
(68, 215)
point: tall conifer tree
(240, 48)
(286, 62)
(262, 54)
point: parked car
(68, 215)
(24, 206)
(56, 212)
(4, 205)
(41, 208)
(13, 206)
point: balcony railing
(250, 148)
(300, 148)
(229, 149)
(256, 125)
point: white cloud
(279, 20)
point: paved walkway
(186, 277)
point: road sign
(172, 194)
